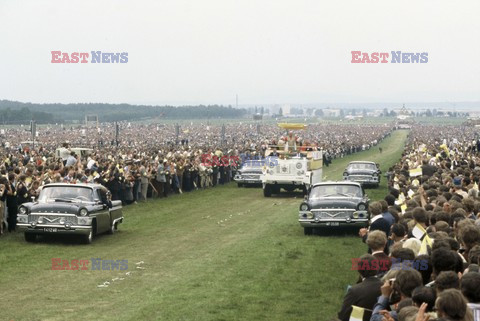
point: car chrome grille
(328, 214)
(251, 176)
(52, 219)
(360, 176)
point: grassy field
(225, 253)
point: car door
(102, 213)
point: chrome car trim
(38, 226)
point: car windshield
(360, 166)
(335, 190)
(65, 194)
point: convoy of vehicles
(85, 209)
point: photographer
(394, 291)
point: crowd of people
(423, 241)
(138, 161)
(422, 253)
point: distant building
(286, 109)
(329, 112)
(404, 113)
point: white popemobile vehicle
(293, 169)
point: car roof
(338, 183)
(75, 185)
(361, 162)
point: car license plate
(334, 223)
(50, 229)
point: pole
(33, 130)
(117, 129)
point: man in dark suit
(427, 169)
(363, 294)
(377, 222)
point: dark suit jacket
(428, 170)
(363, 295)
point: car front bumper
(332, 223)
(247, 180)
(363, 180)
(54, 229)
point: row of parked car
(331, 203)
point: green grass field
(224, 253)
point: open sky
(266, 51)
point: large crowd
(423, 241)
(139, 161)
(422, 253)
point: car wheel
(30, 237)
(239, 184)
(87, 239)
(308, 230)
(267, 190)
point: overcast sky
(207, 51)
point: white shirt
(90, 163)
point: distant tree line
(14, 111)
(24, 114)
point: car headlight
(362, 207)
(83, 212)
(22, 219)
(22, 210)
(355, 215)
(345, 174)
(304, 207)
(83, 221)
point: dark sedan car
(334, 204)
(249, 173)
(78, 209)
(363, 172)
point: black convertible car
(78, 209)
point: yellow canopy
(292, 126)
